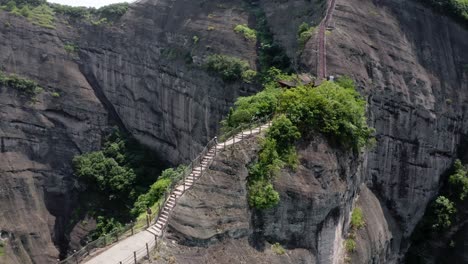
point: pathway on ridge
(124, 249)
(322, 42)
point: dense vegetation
(157, 189)
(230, 68)
(456, 8)
(334, 109)
(114, 178)
(43, 14)
(23, 85)
(304, 33)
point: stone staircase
(190, 180)
(161, 222)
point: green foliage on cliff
(70, 48)
(334, 109)
(112, 12)
(229, 68)
(456, 8)
(41, 15)
(357, 219)
(350, 245)
(2, 249)
(278, 149)
(106, 173)
(357, 222)
(459, 181)
(25, 86)
(248, 33)
(270, 52)
(443, 211)
(278, 249)
(304, 33)
(157, 189)
(114, 178)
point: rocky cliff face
(309, 221)
(142, 74)
(39, 137)
(410, 63)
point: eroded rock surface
(312, 214)
(142, 74)
(409, 63)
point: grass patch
(248, 33)
(42, 15)
(71, 48)
(25, 86)
(2, 249)
(357, 222)
(350, 245)
(278, 249)
(357, 219)
(230, 68)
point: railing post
(147, 221)
(117, 236)
(147, 250)
(134, 257)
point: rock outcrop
(312, 214)
(409, 62)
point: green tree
(230, 68)
(459, 181)
(104, 174)
(262, 195)
(304, 33)
(284, 132)
(443, 211)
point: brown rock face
(409, 63)
(312, 214)
(39, 137)
(143, 74)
